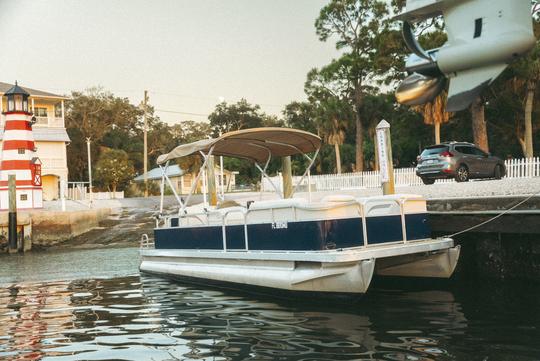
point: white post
(309, 185)
(63, 194)
(89, 171)
(204, 187)
(32, 105)
(384, 150)
(222, 178)
(145, 145)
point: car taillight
(446, 154)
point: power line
(208, 98)
(178, 112)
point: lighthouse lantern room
(18, 155)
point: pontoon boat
(332, 245)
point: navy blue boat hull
(296, 236)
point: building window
(21, 150)
(24, 197)
(58, 110)
(40, 112)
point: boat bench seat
(278, 203)
(338, 198)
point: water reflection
(146, 318)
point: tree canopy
(345, 100)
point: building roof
(4, 87)
(16, 89)
(46, 134)
(153, 174)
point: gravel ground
(477, 188)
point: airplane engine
(484, 36)
(419, 89)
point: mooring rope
(494, 218)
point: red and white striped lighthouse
(18, 155)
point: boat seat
(278, 203)
(338, 198)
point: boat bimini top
(259, 145)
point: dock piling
(12, 216)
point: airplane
(484, 36)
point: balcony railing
(50, 121)
(41, 121)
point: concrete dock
(505, 248)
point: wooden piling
(12, 216)
(212, 189)
(287, 177)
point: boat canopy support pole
(164, 176)
(263, 172)
(308, 168)
(194, 185)
(162, 187)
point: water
(94, 305)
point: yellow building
(49, 133)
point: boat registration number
(279, 225)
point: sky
(189, 55)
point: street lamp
(89, 170)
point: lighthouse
(18, 155)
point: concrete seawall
(506, 248)
(48, 228)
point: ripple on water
(147, 318)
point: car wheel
(462, 174)
(428, 181)
(498, 173)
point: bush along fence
(515, 168)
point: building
(18, 158)
(183, 181)
(154, 175)
(49, 134)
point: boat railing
(363, 209)
(224, 216)
(146, 242)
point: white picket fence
(77, 191)
(515, 168)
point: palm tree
(333, 120)
(528, 76)
(434, 113)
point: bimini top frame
(257, 144)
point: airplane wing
(418, 10)
(467, 85)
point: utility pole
(145, 144)
(89, 171)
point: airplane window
(477, 28)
